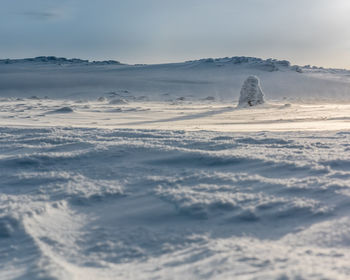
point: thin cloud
(40, 15)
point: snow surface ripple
(152, 204)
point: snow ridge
(58, 61)
(270, 64)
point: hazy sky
(315, 32)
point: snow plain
(112, 171)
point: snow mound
(209, 98)
(251, 93)
(101, 99)
(118, 101)
(62, 110)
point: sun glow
(341, 5)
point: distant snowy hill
(56, 60)
(219, 78)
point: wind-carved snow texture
(251, 93)
(111, 171)
(150, 204)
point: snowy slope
(114, 171)
(221, 78)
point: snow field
(94, 203)
(113, 171)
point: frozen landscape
(116, 171)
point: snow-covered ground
(190, 116)
(112, 171)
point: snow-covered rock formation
(251, 93)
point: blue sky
(313, 32)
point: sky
(315, 32)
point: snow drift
(151, 204)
